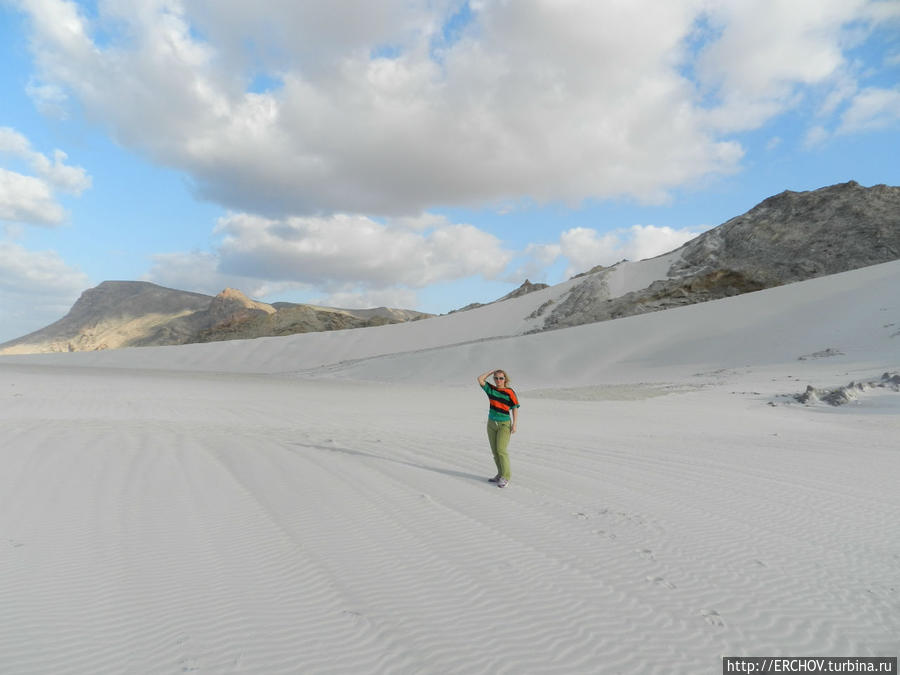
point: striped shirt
(502, 401)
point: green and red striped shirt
(502, 401)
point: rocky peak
(235, 299)
(524, 289)
(132, 298)
(798, 235)
(789, 237)
(231, 306)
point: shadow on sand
(370, 455)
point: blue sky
(413, 153)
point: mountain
(119, 314)
(790, 237)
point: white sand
(318, 503)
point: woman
(502, 419)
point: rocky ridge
(789, 237)
(526, 288)
(119, 314)
(889, 381)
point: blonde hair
(500, 370)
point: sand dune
(319, 504)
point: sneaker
(503, 482)
(494, 479)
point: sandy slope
(155, 518)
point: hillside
(119, 314)
(792, 236)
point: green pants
(498, 436)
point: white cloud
(766, 44)
(25, 199)
(31, 199)
(884, 11)
(815, 137)
(343, 256)
(872, 109)
(556, 101)
(343, 248)
(585, 248)
(369, 108)
(649, 241)
(36, 289)
(353, 297)
(769, 53)
(71, 179)
(49, 99)
(199, 271)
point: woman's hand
(484, 376)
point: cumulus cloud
(585, 248)
(31, 199)
(352, 297)
(768, 51)
(352, 260)
(26, 199)
(380, 111)
(395, 107)
(342, 248)
(36, 288)
(199, 271)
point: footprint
(357, 618)
(582, 516)
(604, 533)
(713, 618)
(646, 553)
(660, 581)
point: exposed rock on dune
(526, 288)
(789, 237)
(800, 235)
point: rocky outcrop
(111, 315)
(586, 303)
(800, 235)
(119, 314)
(889, 381)
(789, 237)
(288, 319)
(526, 288)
